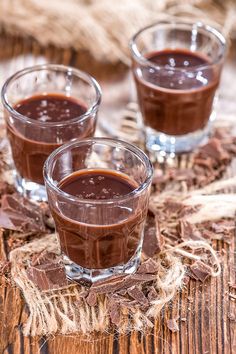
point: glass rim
(54, 67)
(47, 169)
(136, 54)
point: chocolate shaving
(138, 295)
(114, 311)
(149, 266)
(152, 294)
(200, 270)
(47, 272)
(91, 299)
(172, 325)
(19, 214)
(189, 231)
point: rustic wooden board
(205, 311)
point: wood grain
(205, 312)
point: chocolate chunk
(149, 266)
(108, 285)
(91, 299)
(200, 270)
(122, 282)
(189, 231)
(152, 294)
(19, 214)
(172, 325)
(47, 272)
(138, 295)
(153, 240)
(114, 311)
(214, 150)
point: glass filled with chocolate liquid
(176, 68)
(44, 107)
(98, 191)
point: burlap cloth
(103, 28)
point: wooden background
(206, 312)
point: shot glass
(71, 96)
(98, 192)
(177, 67)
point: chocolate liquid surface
(172, 101)
(50, 108)
(31, 145)
(108, 235)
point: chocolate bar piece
(47, 272)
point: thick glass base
(78, 273)
(31, 190)
(157, 142)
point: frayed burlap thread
(66, 311)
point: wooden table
(206, 312)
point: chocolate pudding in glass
(98, 191)
(177, 68)
(46, 106)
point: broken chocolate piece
(172, 325)
(138, 295)
(152, 294)
(91, 299)
(114, 311)
(19, 214)
(149, 266)
(214, 150)
(189, 231)
(48, 272)
(200, 270)
(121, 282)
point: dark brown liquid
(50, 108)
(96, 185)
(172, 101)
(31, 145)
(103, 236)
